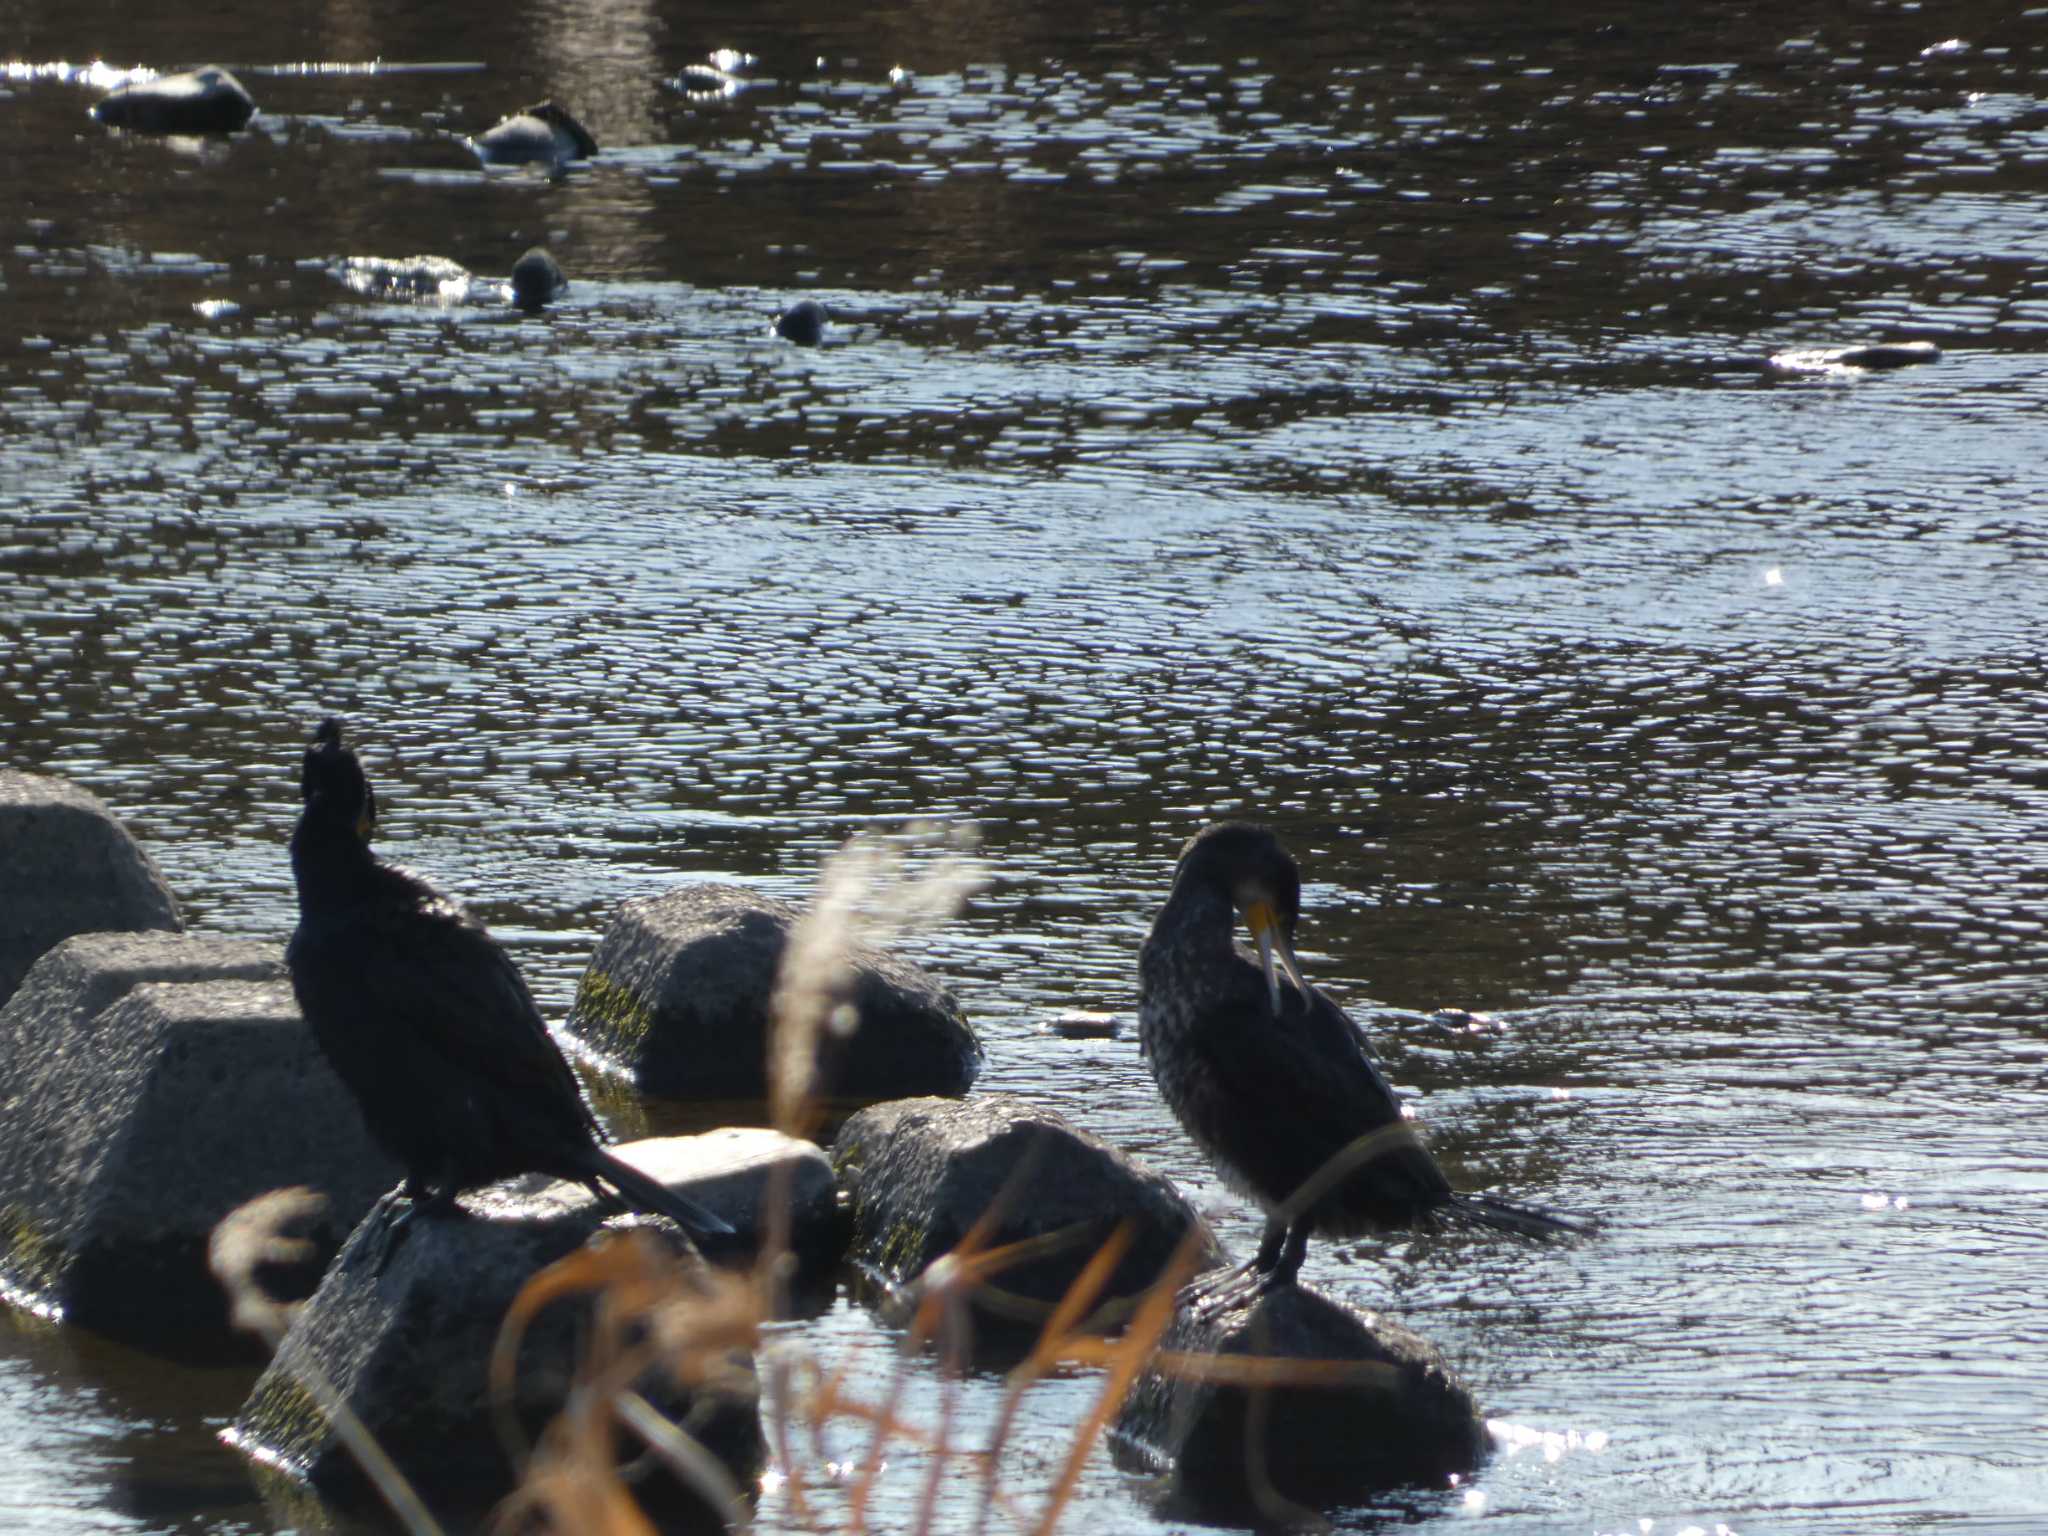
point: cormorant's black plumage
(428, 1021)
(1271, 1078)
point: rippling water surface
(1357, 419)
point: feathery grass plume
(878, 887)
(254, 1234)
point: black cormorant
(1272, 1079)
(428, 1021)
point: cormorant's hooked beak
(1273, 946)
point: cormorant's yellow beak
(1273, 945)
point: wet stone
(537, 279)
(543, 134)
(208, 100)
(68, 866)
(149, 1085)
(1078, 1024)
(1392, 1415)
(403, 1326)
(803, 323)
(920, 1173)
(678, 995)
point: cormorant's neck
(1201, 914)
(329, 861)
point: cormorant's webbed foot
(1271, 1269)
(393, 1230)
(1217, 1281)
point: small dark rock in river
(1405, 1420)
(150, 1084)
(543, 134)
(678, 995)
(208, 100)
(68, 866)
(803, 323)
(1082, 1025)
(536, 279)
(403, 1327)
(920, 1172)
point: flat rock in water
(1078, 1024)
(738, 1171)
(1874, 356)
(919, 1173)
(208, 100)
(403, 1326)
(678, 996)
(150, 1084)
(67, 866)
(1388, 1414)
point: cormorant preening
(428, 1021)
(1272, 1079)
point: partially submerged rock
(803, 323)
(149, 1085)
(1388, 1413)
(408, 279)
(67, 866)
(207, 100)
(402, 1329)
(537, 279)
(543, 134)
(920, 1173)
(678, 996)
(1877, 355)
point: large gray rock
(206, 100)
(1402, 1420)
(67, 866)
(402, 1329)
(919, 1173)
(149, 1084)
(678, 994)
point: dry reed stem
(1045, 1354)
(651, 1309)
(1128, 1357)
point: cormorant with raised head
(428, 1021)
(1273, 1080)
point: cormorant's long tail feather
(1522, 1220)
(653, 1198)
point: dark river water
(1354, 417)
